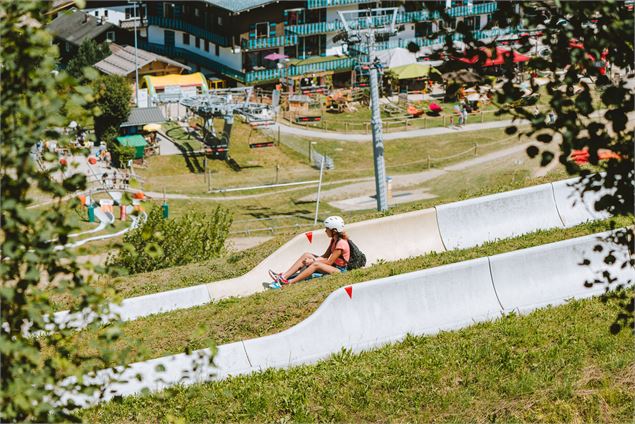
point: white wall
(226, 56)
(155, 35)
(115, 13)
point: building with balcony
(231, 39)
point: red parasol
(499, 59)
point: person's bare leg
(297, 265)
(314, 267)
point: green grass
(554, 365)
(186, 174)
(273, 311)
(236, 264)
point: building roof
(239, 5)
(75, 27)
(144, 115)
(135, 140)
(122, 60)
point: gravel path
(330, 135)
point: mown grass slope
(554, 365)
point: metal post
(378, 139)
(317, 204)
(136, 66)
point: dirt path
(331, 135)
(367, 187)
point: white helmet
(334, 223)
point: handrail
(189, 55)
(180, 25)
(269, 42)
(402, 18)
(319, 4)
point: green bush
(163, 243)
(121, 155)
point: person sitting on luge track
(333, 261)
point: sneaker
(278, 278)
(275, 285)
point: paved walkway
(330, 135)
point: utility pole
(364, 29)
(136, 62)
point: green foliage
(554, 365)
(121, 154)
(34, 102)
(89, 53)
(162, 243)
(113, 94)
(604, 33)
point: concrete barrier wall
(158, 374)
(575, 208)
(475, 221)
(156, 303)
(390, 238)
(382, 311)
(548, 275)
(457, 225)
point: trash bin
(91, 213)
(166, 210)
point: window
(423, 28)
(67, 46)
(206, 45)
(197, 42)
(186, 39)
(262, 29)
(473, 22)
(106, 12)
(168, 10)
(110, 35)
(96, 12)
(220, 21)
(197, 13)
(217, 50)
(294, 16)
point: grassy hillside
(554, 365)
(269, 312)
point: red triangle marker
(309, 235)
(349, 291)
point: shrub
(164, 243)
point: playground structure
(225, 103)
(445, 227)
(103, 211)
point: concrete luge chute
(371, 314)
(574, 207)
(388, 239)
(475, 221)
(383, 311)
(550, 274)
(460, 224)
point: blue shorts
(341, 268)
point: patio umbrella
(495, 58)
(275, 56)
(152, 127)
(413, 70)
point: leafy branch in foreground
(587, 63)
